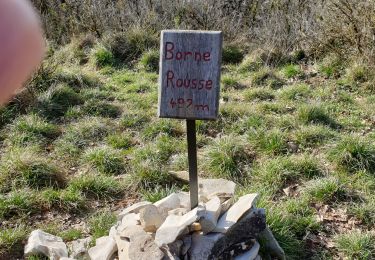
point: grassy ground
(89, 142)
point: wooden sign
(189, 77)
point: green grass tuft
(354, 154)
(315, 114)
(232, 54)
(100, 223)
(103, 57)
(150, 60)
(295, 92)
(292, 71)
(258, 94)
(229, 157)
(106, 160)
(356, 245)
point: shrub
(31, 129)
(258, 94)
(354, 154)
(150, 60)
(57, 101)
(103, 57)
(96, 186)
(26, 168)
(292, 71)
(331, 66)
(120, 141)
(106, 160)
(129, 46)
(266, 77)
(232, 54)
(323, 190)
(314, 114)
(101, 108)
(228, 157)
(356, 245)
(295, 92)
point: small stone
(211, 187)
(150, 218)
(251, 254)
(195, 227)
(208, 221)
(142, 245)
(123, 245)
(235, 212)
(135, 208)
(226, 205)
(128, 220)
(178, 211)
(79, 247)
(202, 245)
(174, 225)
(167, 204)
(40, 242)
(104, 249)
(182, 176)
(271, 244)
(184, 200)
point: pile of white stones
(219, 228)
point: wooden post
(189, 78)
(192, 157)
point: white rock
(142, 245)
(67, 258)
(202, 245)
(235, 212)
(104, 249)
(40, 242)
(226, 205)
(212, 187)
(251, 254)
(135, 208)
(184, 199)
(123, 245)
(168, 203)
(128, 220)
(178, 211)
(150, 218)
(174, 226)
(79, 247)
(208, 220)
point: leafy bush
(150, 60)
(129, 46)
(103, 57)
(232, 54)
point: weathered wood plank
(189, 75)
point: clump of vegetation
(229, 82)
(103, 57)
(100, 108)
(228, 157)
(270, 142)
(24, 168)
(150, 60)
(292, 71)
(356, 245)
(358, 73)
(232, 54)
(106, 160)
(313, 113)
(129, 46)
(266, 77)
(11, 241)
(323, 190)
(354, 154)
(313, 135)
(250, 63)
(100, 223)
(57, 101)
(295, 92)
(31, 129)
(258, 94)
(331, 66)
